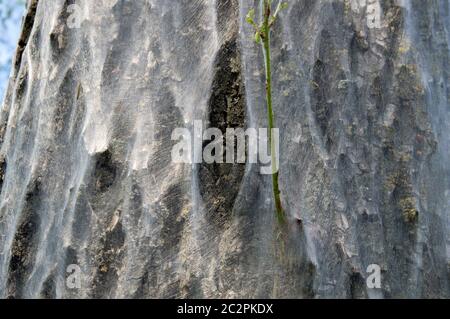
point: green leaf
(250, 17)
(258, 37)
(280, 6)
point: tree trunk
(361, 97)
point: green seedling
(262, 36)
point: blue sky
(11, 12)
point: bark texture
(361, 96)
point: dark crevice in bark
(27, 27)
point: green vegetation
(262, 36)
